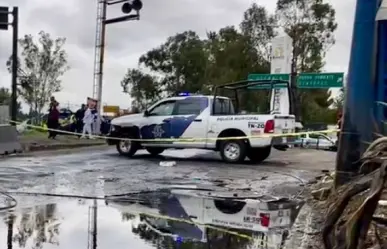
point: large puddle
(164, 220)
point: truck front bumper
(112, 138)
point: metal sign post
(4, 23)
(102, 21)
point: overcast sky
(75, 20)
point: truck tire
(233, 151)
(127, 148)
(257, 155)
(154, 151)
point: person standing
(88, 120)
(53, 118)
(79, 119)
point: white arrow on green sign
(304, 80)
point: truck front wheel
(233, 151)
(257, 155)
(127, 148)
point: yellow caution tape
(294, 134)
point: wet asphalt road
(103, 172)
(51, 222)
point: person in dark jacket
(53, 118)
(79, 119)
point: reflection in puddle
(163, 220)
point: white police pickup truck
(206, 119)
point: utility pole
(360, 93)
(127, 7)
(92, 227)
(15, 24)
(11, 219)
(4, 23)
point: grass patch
(34, 133)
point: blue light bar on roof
(184, 94)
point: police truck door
(189, 121)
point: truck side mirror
(146, 113)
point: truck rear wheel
(233, 151)
(257, 155)
(154, 151)
(127, 148)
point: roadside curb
(59, 146)
(306, 230)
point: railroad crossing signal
(304, 80)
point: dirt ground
(39, 142)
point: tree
(232, 57)
(42, 64)
(143, 88)
(259, 26)
(311, 24)
(181, 61)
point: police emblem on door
(158, 131)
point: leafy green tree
(260, 27)
(143, 88)
(232, 57)
(311, 24)
(182, 62)
(40, 68)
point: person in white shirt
(88, 120)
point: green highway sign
(304, 80)
(278, 76)
(320, 80)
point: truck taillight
(265, 219)
(269, 126)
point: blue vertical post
(360, 92)
(381, 90)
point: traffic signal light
(4, 11)
(126, 8)
(137, 5)
(133, 5)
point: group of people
(85, 120)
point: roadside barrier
(187, 139)
(9, 142)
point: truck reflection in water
(165, 219)
(191, 216)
